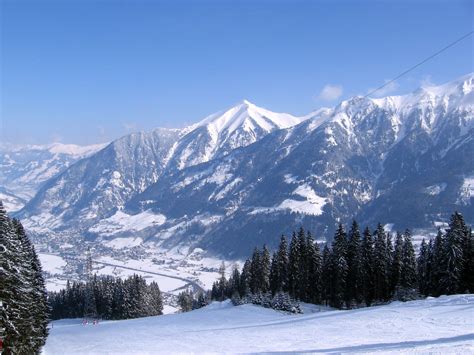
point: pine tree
(381, 265)
(256, 271)
(90, 308)
(265, 270)
(353, 294)
(293, 266)
(467, 273)
(222, 283)
(326, 277)
(396, 267)
(282, 265)
(452, 262)
(22, 290)
(408, 273)
(339, 267)
(422, 268)
(274, 276)
(313, 267)
(367, 265)
(436, 263)
(245, 278)
(303, 275)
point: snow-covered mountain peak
(248, 116)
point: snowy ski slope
(440, 325)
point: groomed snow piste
(440, 325)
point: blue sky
(90, 71)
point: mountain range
(246, 175)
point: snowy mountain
(23, 169)
(243, 176)
(224, 131)
(93, 188)
(98, 187)
(432, 326)
(403, 160)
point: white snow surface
(312, 204)
(435, 325)
(236, 117)
(120, 222)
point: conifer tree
(353, 266)
(326, 277)
(367, 258)
(274, 276)
(381, 265)
(339, 267)
(22, 290)
(396, 267)
(293, 266)
(452, 263)
(303, 275)
(282, 265)
(436, 263)
(264, 270)
(314, 268)
(408, 273)
(422, 268)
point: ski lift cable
(421, 63)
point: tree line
(107, 297)
(23, 303)
(356, 269)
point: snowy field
(442, 325)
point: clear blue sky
(90, 71)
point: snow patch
(121, 222)
(435, 190)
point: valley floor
(435, 325)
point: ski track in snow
(441, 325)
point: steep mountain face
(23, 169)
(222, 132)
(93, 188)
(402, 160)
(244, 176)
(97, 187)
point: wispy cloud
(130, 126)
(388, 89)
(330, 92)
(427, 81)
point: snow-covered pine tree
(22, 291)
(38, 309)
(452, 263)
